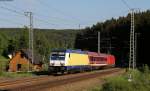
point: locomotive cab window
(58, 56)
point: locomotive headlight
(51, 64)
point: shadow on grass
(41, 73)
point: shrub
(116, 84)
(140, 81)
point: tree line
(14, 39)
(115, 38)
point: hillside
(115, 36)
(12, 39)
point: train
(67, 60)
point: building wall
(17, 59)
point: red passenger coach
(100, 60)
(110, 60)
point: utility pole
(99, 41)
(136, 46)
(30, 15)
(110, 46)
(79, 27)
(136, 35)
(132, 42)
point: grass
(140, 82)
(96, 88)
(15, 74)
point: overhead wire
(38, 19)
(47, 20)
(127, 5)
(19, 9)
(11, 10)
(48, 17)
(23, 14)
(10, 21)
(63, 13)
(59, 11)
(55, 18)
(14, 11)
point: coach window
(92, 58)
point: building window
(18, 67)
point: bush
(117, 84)
(140, 81)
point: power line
(126, 4)
(56, 18)
(36, 14)
(20, 13)
(72, 20)
(12, 6)
(11, 10)
(39, 19)
(14, 11)
(57, 10)
(53, 17)
(12, 22)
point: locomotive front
(57, 61)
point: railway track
(40, 83)
(10, 82)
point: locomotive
(67, 60)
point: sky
(65, 14)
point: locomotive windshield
(58, 56)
